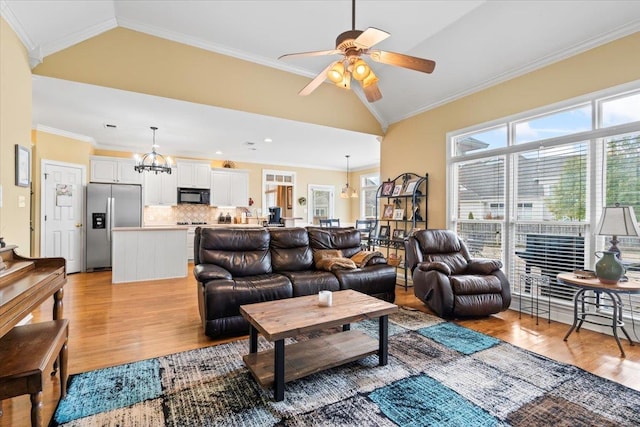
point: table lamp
(618, 221)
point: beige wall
(418, 144)
(15, 128)
(133, 61)
(47, 146)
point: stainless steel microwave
(196, 196)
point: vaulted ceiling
(475, 44)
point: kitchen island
(154, 252)
(148, 253)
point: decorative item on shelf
(228, 164)
(398, 234)
(617, 221)
(398, 203)
(387, 213)
(153, 161)
(608, 269)
(398, 214)
(397, 190)
(346, 190)
(410, 186)
(383, 232)
(387, 189)
(394, 259)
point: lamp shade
(618, 221)
(360, 70)
(336, 73)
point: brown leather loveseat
(236, 266)
(449, 281)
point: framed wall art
(23, 166)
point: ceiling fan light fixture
(345, 83)
(370, 79)
(361, 70)
(336, 73)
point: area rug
(439, 374)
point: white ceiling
(475, 44)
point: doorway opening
(279, 190)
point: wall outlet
(22, 201)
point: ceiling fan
(352, 45)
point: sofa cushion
(345, 239)
(455, 261)
(312, 281)
(290, 249)
(370, 280)
(224, 297)
(469, 285)
(241, 252)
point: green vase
(609, 269)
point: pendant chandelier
(346, 190)
(153, 161)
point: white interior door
(62, 220)
(321, 203)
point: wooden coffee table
(280, 319)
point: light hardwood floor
(115, 324)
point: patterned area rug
(439, 374)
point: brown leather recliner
(449, 281)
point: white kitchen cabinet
(160, 189)
(114, 170)
(229, 187)
(193, 174)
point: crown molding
(78, 37)
(576, 49)
(64, 133)
(16, 26)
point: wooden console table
(25, 283)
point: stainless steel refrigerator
(109, 206)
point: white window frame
(594, 184)
(363, 189)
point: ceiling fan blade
(312, 53)
(401, 60)
(317, 81)
(369, 37)
(372, 92)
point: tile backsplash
(170, 215)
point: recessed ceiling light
(268, 140)
(218, 152)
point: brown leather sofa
(236, 266)
(449, 281)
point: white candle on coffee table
(324, 299)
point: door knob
(78, 225)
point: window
(566, 122)
(531, 189)
(483, 140)
(368, 188)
